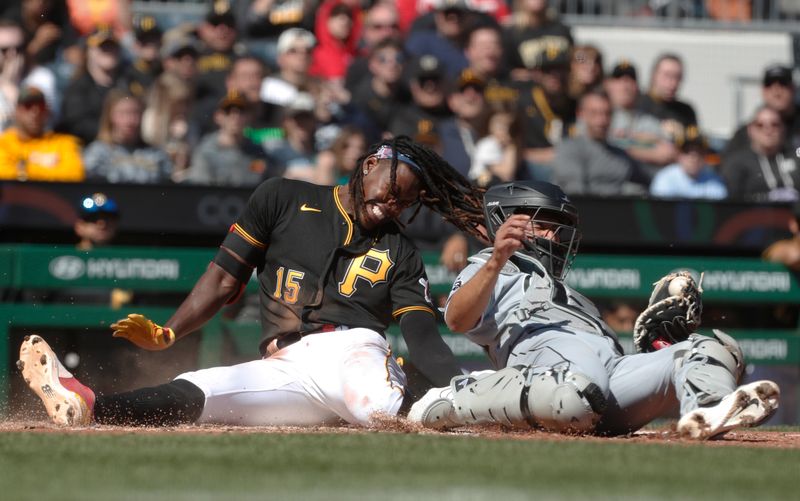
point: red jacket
(331, 57)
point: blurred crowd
(299, 88)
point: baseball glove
(672, 314)
(144, 333)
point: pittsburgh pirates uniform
(535, 321)
(328, 311)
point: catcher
(560, 367)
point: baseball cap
(176, 45)
(96, 206)
(102, 34)
(221, 13)
(289, 37)
(624, 68)
(692, 140)
(303, 102)
(554, 55)
(233, 99)
(29, 95)
(777, 73)
(468, 78)
(451, 5)
(427, 67)
(147, 30)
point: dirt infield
(742, 438)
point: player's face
(382, 203)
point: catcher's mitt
(673, 313)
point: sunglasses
(297, 50)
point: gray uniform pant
(639, 387)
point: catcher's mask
(549, 208)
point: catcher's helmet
(547, 205)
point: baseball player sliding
(334, 270)
(560, 367)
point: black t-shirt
(546, 120)
(523, 46)
(675, 116)
(319, 267)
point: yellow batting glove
(144, 333)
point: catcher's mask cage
(549, 208)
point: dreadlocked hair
(446, 191)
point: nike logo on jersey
(306, 208)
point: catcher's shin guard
(712, 368)
(555, 400)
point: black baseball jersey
(675, 116)
(320, 267)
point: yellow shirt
(52, 157)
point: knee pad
(564, 401)
(721, 351)
(554, 400)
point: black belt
(290, 339)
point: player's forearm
(208, 296)
(426, 348)
(467, 304)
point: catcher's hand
(143, 332)
(673, 313)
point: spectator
(337, 163)
(444, 41)
(119, 155)
(380, 23)
(585, 71)
(638, 133)
(294, 59)
(787, 252)
(498, 155)
(165, 120)
(28, 152)
(17, 70)
(294, 156)
(662, 101)
(778, 93)
(246, 76)
(459, 134)
(380, 96)
(690, 177)
(428, 105)
(533, 31)
(549, 111)
(262, 21)
(47, 30)
(587, 163)
(84, 96)
(226, 157)
(140, 75)
(217, 33)
(179, 55)
(96, 226)
(338, 28)
(484, 52)
(764, 171)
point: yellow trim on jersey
(406, 309)
(547, 112)
(252, 241)
(344, 215)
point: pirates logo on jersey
(372, 267)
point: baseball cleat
(747, 406)
(68, 402)
(435, 409)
